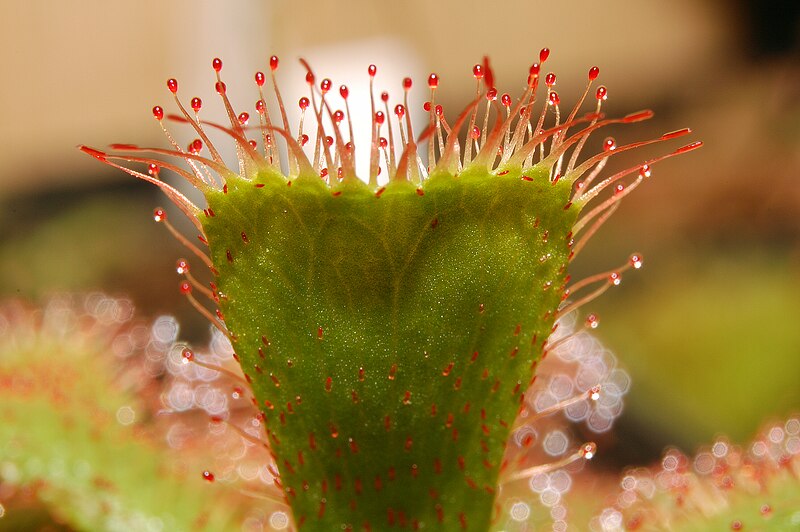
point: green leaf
(389, 337)
(72, 429)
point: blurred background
(708, 331)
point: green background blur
(708, 330)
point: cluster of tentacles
(518, 141)
(494, 136)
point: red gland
(588, 450)
(544, 53)
(197, 103)
(185, 287)
(433, 81)
(216, 64)
(260, 79)
(187, 355)
(172, 85)
(158, 112)
(159, 214)
(325, 86)
(594, 392)
(273, 63)
(182, 266)
(208, 475)
(593, 73)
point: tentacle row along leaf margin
(389, 328)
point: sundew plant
(388, 326)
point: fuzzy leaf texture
(390, 339)
(63, 394)
(389, 331)
(723, 487)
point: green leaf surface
(389, 337)
(63, 398)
